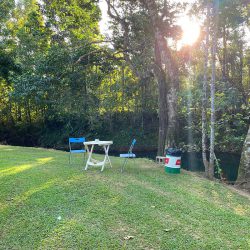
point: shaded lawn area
(99, 209)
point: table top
(97, 142)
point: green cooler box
(173, 161)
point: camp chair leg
(84, 157)
(124, 163)
(70, 158)
(134, 160)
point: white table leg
(105, 158)
(108, 157)
(89, 156)
(106, 150)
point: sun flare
(190, 30)
(190, 27)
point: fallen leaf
(129, 237)
(9, 199)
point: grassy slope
(99, 209)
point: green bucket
(172, 170)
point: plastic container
(173, 161)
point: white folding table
(90, 147)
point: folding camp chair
(76, 151)
(130, 154)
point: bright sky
(104, 22)
(190, 27)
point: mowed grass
(45, 203)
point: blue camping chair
(76, 151)
(130, 154)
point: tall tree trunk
(123, 86)
(172, 126)
(162, 115)
(162, 104)
(224, 62)
(144, 83)
(27, 111)
(213, 79)
(10, 116)
(243, 179)
(204, 98)
(240, 81)
(19, 112)
(167, 61)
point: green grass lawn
(46, 203)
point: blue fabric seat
(127, 155)
(78, 151)
(73, 141)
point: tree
(213, 79)
(131, 41)
(164, 65)
(225, 19)
(243, 179)
(204, 97)
(165, 58)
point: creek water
(192, 161)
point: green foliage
(6, 7)
(232, 116)
(56, 80)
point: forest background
(60, 77)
